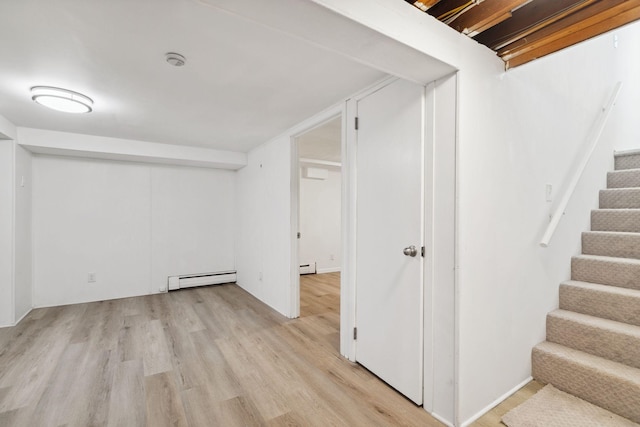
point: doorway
(319, 154)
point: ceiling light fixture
(59, 99)
(175, 59)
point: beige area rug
(551, 407)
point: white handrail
(594, 138)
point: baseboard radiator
(202, 279)
(308, 268)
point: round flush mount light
(175, 59)
(60, 99)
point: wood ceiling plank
(427, 3)
(577, 22)
(528, 19)
(485, 15)
(572, 37)
(445, 6)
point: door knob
(410, 251)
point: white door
(389, 309)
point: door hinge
(355, 333)
(356, 123)
(298, 234)
(422, 251)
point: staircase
(593, 340)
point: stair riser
(616, 220)
(623, 179)
(620, 199)
(627, 162)
(605, 305)
(606, 273)
(609, 392)
(611, 245)
(621, 347)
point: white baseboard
(10, 325)
(23, 316)
(328, 270)
(496, 402)
(442, 420)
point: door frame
(441, 394)
(316, 121)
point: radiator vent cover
(202, 279)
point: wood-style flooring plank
(127, 402)
(196, 357)
(163, 402)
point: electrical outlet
(92, 278)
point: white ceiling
(243, 83)
(323, 142)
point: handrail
(594, 138)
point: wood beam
(576, 35)
(423, 5)
(576, 22)
(529, 19)
(445, 6)
(485, 15)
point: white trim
(22, 317)
(314, 122)
(442, 420)
(13, 230)
(496, 402)
(328, 270)
(347, 276)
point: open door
(389, 211)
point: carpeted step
(620, 198)
(611, 244)
(606, 338)
(623, 178)
(616, 220)
(622, 272)
(610, 385)
(607, 302)
(628, 160)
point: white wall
(320, 214)
(22, 220)
(6, 233)
(192, 217)
(263, 233)
(517, 131)
(131, 224)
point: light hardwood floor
(211, 356)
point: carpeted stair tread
(604, 301)
(620, 198)
(611, 243)
(627, 160)
(627, 220)
(606, 338)
(623, 178)
(610, 385)
(613, 271)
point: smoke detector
(175, 59)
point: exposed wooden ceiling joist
(528, 19)
(573, 34)
(522, 30)
(485, 15)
